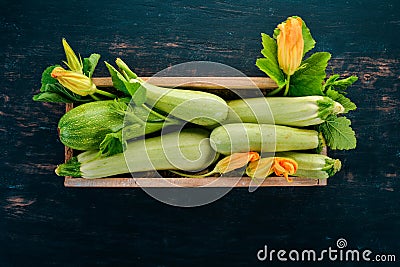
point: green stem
(274, 92)
(158, 114)
(95, 97)
(287, 86)
(105, 93)
(194, 176)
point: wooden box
(212, 84)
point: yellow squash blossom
(227, 164)
(235, 161)
(266, 166)
(74, 81)
(290, 45)
(73, 62)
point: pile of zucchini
(136, 126)
(190, 145)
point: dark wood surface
(44, 223)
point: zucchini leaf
(341, 85)
(309, 78)
(112, 144)
(117, 78)
(335, 89)
(269, 64)
(340, 98)
(51, 97)
(89, 64)
(47, 79)
(130, 87)
(137, 91)
(338, 133)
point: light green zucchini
(187, 150)
(290, 111)
(313, 165)
(197, 107)
(244, 137)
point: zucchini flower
(227, 164)
(74, 81)
(266, 166)
(235, 161)
(290, 45)
(73, 62)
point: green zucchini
(187, 150)
(290, 111)
(313, 165)
(244, 137)
(99, 124)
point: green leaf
(117, 79)
(269, 64)
(46, 77)
(338, 133)
(341, 85)
(132, 87)
(137, 91)
(310, 76)
(309, 42)
(125, 69)
(112, 144)
(57, 88)
(89, 64)
(340, 98)
(51, 97)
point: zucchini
(197, 107)
(187, 150)
(290, 111)
(313, 165)
(244, 137)
(99, 124)
(84, 127)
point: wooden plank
(203, 83)
(187, 182)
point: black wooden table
(44, 223)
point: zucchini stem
(95, 97)
(287, 86)
(275, 91)
(156, 113)
(101, 92)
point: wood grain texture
(168, 182)
(200, 83)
